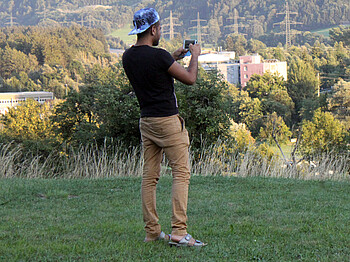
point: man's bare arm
(188, 76)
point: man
(151, 72)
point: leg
(178, 157)
(151, 172)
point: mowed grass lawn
(242, 219)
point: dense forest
(256, 18)
(49, 59)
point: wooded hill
(257, 17)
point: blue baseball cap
(143, 19)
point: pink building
(250, 65)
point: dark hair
(143, 34)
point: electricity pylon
(171, 24)
(12, 22)
(235, 24)
(199, 28)
(287, 22)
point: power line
(199, 28)
(171, 26)
(287, 23)
(235, 24)
(12, 22)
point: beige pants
(166, 134)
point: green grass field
(242, 219)
(122, 33)
(324, 32)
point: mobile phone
(187, 43)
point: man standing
(151, 72)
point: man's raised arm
(187, 76)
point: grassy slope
(242, 219)
(122, 33)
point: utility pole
(287, 22)
(11, 22)
(199, 28)
(171, 25)
(82, 20)
(235, 24)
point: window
(245, 68)
(246, 76)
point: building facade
(239, 72)
(9, 100)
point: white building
(9, 100)
(239, 71)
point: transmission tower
(12, 22)
(171, 24)
(235, 24)
(199, 28)
(287, 22)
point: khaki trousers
(168, 135)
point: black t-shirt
(147, 69)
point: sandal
(162, 236)
(185, 242)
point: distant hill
(254, 17)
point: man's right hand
(195, 49)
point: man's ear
(153, 30)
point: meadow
(85, 206)
(241, 219)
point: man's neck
(144, 41)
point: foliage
(260, 16)
(274, 126)
(242, 137)
(302, 83)
(28, 121)
(104, 108)
(37, 58)
(322, 134)
(339, 102)
(340, 34)
(237, 43)
(205, 108)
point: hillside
(255, 17)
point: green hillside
(255, 17)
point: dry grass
(92, 162)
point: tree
(104, 108)
(28, 121)
(323, 134)
(214, 31)
(205, 109)
(273, 127)
(254, 46)
(237, 43)
(302, 83)
(272, 92)
(339, 102)
(340, 34)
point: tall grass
(106, 162)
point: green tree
(272, 92)
(303, 82)
(214, 31)
(322, 134)
(340, 34)
(274, 126)
(105, 107)
(205, 109)
(339, 102)
(28, 121)
(237, 43)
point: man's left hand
(179, 53)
